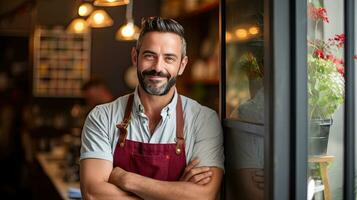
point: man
(154, 143)
(250, 154)
(95, 92)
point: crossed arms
(99, 180)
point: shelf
(61, 62)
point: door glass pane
(244, 147)
(244, 61)
(326, 84)
(355, 98)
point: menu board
(61, 62)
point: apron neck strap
(123, 126)
(180, 140)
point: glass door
(288, 96)
(243, 110)
(326, 97)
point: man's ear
(183, 65)
(134, 56)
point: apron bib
(158, 161)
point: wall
(110, 58)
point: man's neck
(154, 104)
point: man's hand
(198, 175)
(119, 177)
(95, 183)
(258, 178)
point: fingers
(258, 178)
(204, 181)
(191, 165)
(188, 168)
(196, 172)
(259, 172)
(202, 176)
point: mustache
(155, 73)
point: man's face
(159, 62)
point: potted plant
(326, 82)
(254, 71)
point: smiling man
(153, 143)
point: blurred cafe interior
(277, 72)
(50, 48)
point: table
(51, 166)
(323, 162)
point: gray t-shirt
(250, 148)
(202, 130)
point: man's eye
(170, 59)
(148, 56)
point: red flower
(355, 57)
(317, 13)
(341, 69)
(340, 39)
(330, 57)
(339, 61)
(319, 53)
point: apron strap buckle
(123, 127)
(179, 142)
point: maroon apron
(159, 161)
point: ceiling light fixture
(110, 2)
(99, 19)
(78, 25)
(128, 31)
(85, 9)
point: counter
(52, 168)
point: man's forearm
(151, 189)
(107, 191)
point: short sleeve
(95, 137)
(250, 151)
(208, 146)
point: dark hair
(94, 82)
(151, 24)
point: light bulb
(128, 30)
(78, 25)
(253, 30)
(85, 9)
(228, 36)
(98, 18)
(241, 33)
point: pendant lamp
(85, 9)
(78, 25)
(128, 31)
(110, 2)
(99, 19)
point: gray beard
(149, 88)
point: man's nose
(159, 64)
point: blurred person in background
(153, 143)
(95, 92)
